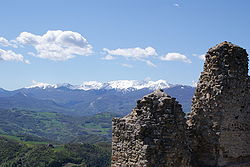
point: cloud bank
(175, 57)
(9, 55)
(4, 42)
(202, 57)
(133, 53)
(108, 57)
(56, 45)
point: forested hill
(56, 127)
(17, 153)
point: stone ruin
(216, 132)
(219, 123)
(153, 134)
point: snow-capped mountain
(89, 85)
(136, 85)
(90, 97)
(46, 85)
(42, 86)
(123, 85)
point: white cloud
(194, 83)
(5, 42)
(149, 63)
(133, 53)
(127, 65)
(176, 5)
(175, 57)
(108, 57)
(202, 57)
(9, 55)
(56, 45)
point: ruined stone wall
(219, 123)
(218, 128)
(152, 135)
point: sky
(72, 41)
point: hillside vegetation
(16, 153)
(55, 126)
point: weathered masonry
(152, 135)
(220, 119)
(216, 133)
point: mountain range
(91, 97)
(122, 85)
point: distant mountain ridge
(125, 85)
(90, 97)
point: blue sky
(64, 41)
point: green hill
(16, 153)
(55, 126)
(48, 139)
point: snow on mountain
(160, 84)
(41, 85)
(123, 85)
(2, 90)
(134, 84)
(90, 85)
(46, 85)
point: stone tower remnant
(152, 135)
(216, 133)
(220, 119)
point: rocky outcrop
(153, 134)
(220, 119)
